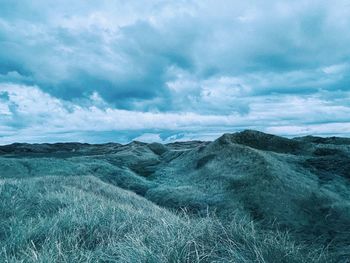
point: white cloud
(334, 69)
(149, 137)
(323, 129)
(4, 109)
(39, 116)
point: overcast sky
(157, 70)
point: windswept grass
(82, 219)
(245, 197)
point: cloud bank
(97, 71)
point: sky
(157, 70)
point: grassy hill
(245, 197)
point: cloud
(149, 137)
(28, 113)
(172, 66)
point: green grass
(82, 219)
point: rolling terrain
(245, 197)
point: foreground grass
(81, 219)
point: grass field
(246, 197)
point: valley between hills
(245, 197)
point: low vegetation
(246, 197)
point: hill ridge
(299, 186)
(252, 138)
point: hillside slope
(274, 199)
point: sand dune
(297, 189)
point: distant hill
(261, 197)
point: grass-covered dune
(245, 197)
